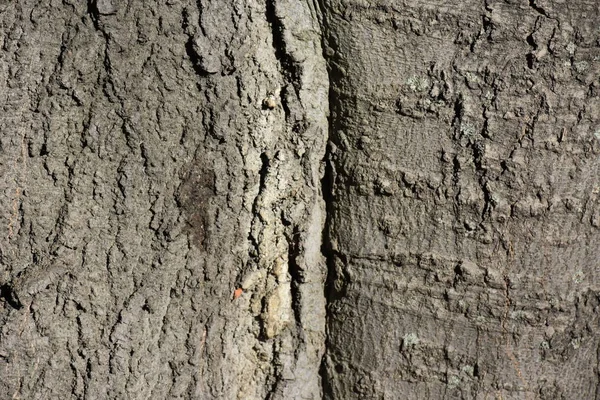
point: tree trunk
(174, 228)
(464, 216)
(161, 209)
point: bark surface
(463, 217)
(162, 215)
(174, 227)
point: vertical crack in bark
(329, 287)
(538, 9)
(264, 171)
(92, 10)
(295, 272)
(289, 69)
(305, 124)
(327, 185)
(290, 76)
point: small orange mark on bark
(237, 293)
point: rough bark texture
(156, 157)
(165, 187)
(464, 216)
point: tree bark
(463, 218)
(162, 213)
(175, 226)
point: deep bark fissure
(7, 295)
(295, 272)
(92, 11)
(275, 378)
(328, 288)
(254, 250)
(296, 87)
(327, 193)
(289, 69)
(538, 8)
(194, 58)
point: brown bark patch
(194, 197)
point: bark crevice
(327, 251)
(289, 68)
(327, 192)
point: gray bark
(144, 182)
(299, 199)
(463, 222)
